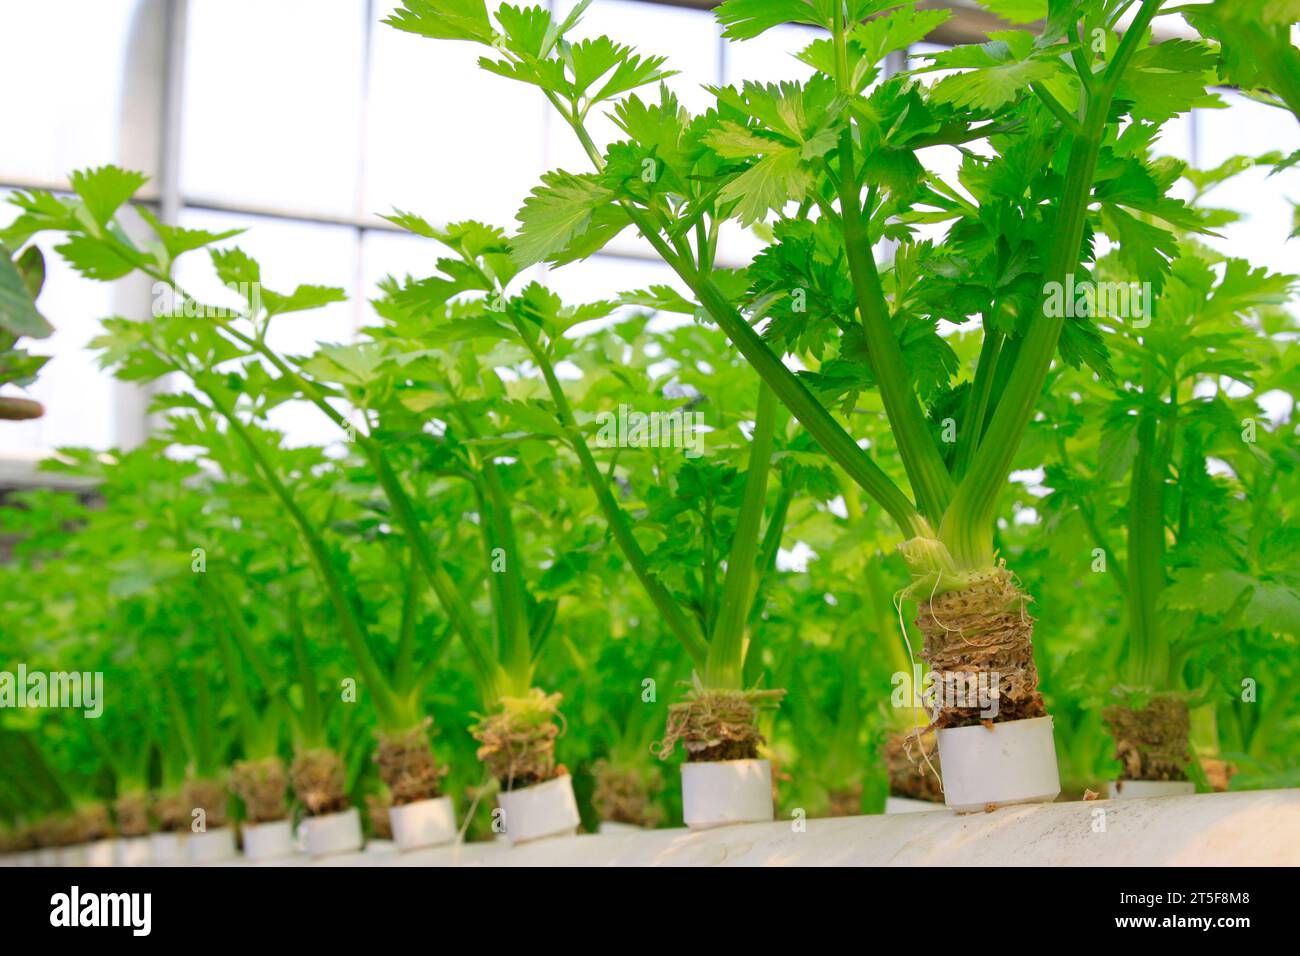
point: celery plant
(1184, 582)
(1051, 108)
(225, 355)
(713, 626)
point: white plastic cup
(423, 823)
(542, 810)
(268, 841)
(168, 849)
(74, 855)
(1137, 789)
(102, 853)
(332, 833)
(983, 768)
(134, 851)
(211, 846)
(721, 792)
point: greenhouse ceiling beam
(968, 24)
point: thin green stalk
(725, 664)
(829, 434)
(967, 527)
(710, 611)
(508, 585)
(312, 727)
(1148, 647)
(245, 712)
(1113, 565)
(834, 440)
(403, 668)
(234, 616)
(619, 525)
(1067, 119)
(925, 468)
(182, 727)
(349, 622)
(487, 672)
(238, 689)
(931, 482)
(768, 551)
(972, 424)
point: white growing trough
(1226, 829)
(1220, 829)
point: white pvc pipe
(1138, 789)
(1259, 828)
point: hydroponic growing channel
(934, 504)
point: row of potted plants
(286, 623)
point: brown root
(627, 794)
(979, 639)
(25, 837)
(132, 811)
(88, 822)
(1151, 742)
(1218, 773)
(407, 765)
(172, 812)
(319, 781)
(48, 832)
(261, 784)
(517, 744)
(210, 796)
(910, 775)
(63, 831)
(846, 801)
(716, 725)
(381, 825)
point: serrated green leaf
(444, 19)
(746, 19)
(235, 267)
(98, 259)
(769, 184)
(105, 188)
(302, 298)
(991, 87)
(555, 213)
(177, 240)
